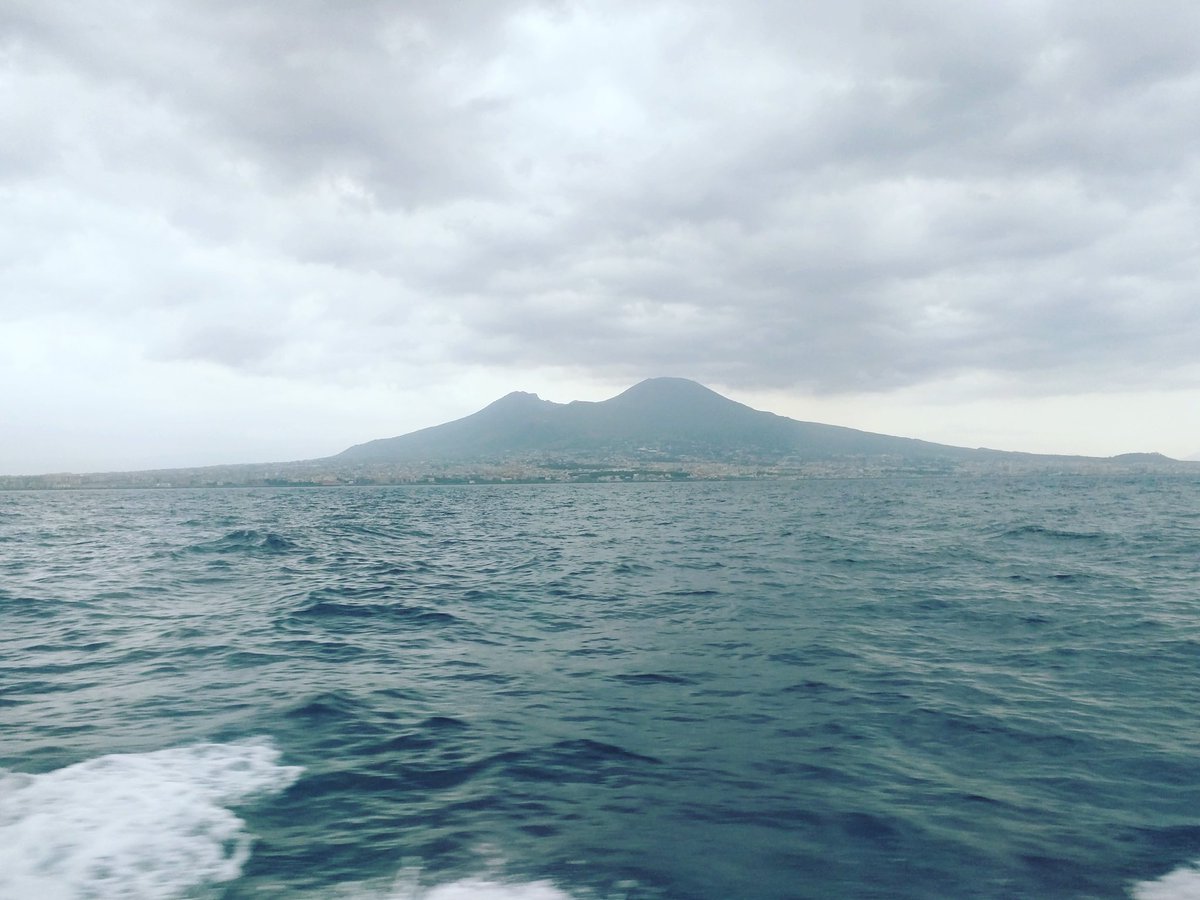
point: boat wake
(152, 825)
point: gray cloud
(792, 195)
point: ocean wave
(147, 825)
(1049, 533)
(245, 540)
(371, 615)
(652, 678)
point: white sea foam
(473, 889)
(1181, 884)
(145, 825)
(408, 885)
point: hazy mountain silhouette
(665, 426)
(672, 416)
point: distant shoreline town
(320, 473)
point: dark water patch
(789, 819)
(451, 767)
(813, 654)
(351, 591)
(46, 667)
(70, 646)
(115, 595)
(603, 651)
(324, 650)
(573, 760)
(444, 724)
(481, 677)
(641, 678)
(325, 786)
(1055, 876)
(551, 623)
(873, 829)
(928, 726)
(1044, 532)
(37, 608)
(936, 604)
(250, 659)
(370, 615)
(351, 526)
(409, 743)
(812, 688)
(1177, 841)
(392, 569)
(483, 595)
(980, 798)
(335, 706)
(245, 541)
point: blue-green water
(902, 688)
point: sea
(937, 687)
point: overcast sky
(241, 230)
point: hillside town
(545, 469)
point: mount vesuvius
(671, 416)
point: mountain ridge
(665, 415)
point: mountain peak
(669, 390)
(516, 400)
(668, 383)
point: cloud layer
(792, 197)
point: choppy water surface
(877, 688)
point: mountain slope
(666, 415)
